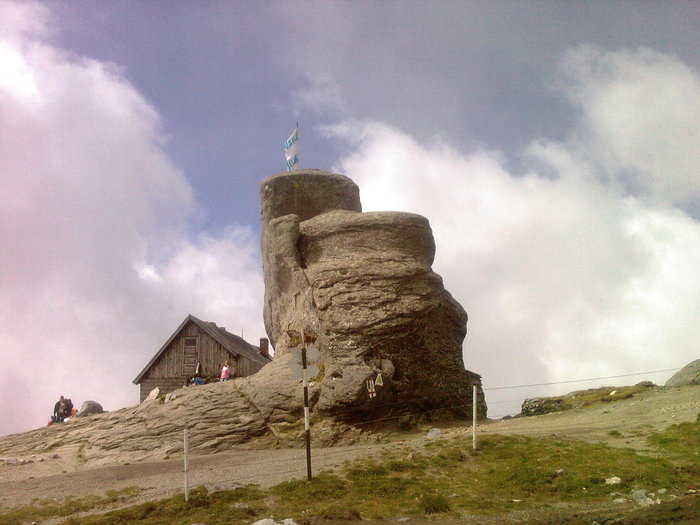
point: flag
(291, 150)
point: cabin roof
(236, 346)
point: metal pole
(187, 467)
(307, 430)
(474, 417)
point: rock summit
(389, 336)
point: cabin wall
(171, 371)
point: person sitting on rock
(59, 410)
(68, 410)
(198, 380)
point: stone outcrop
(89, 408)
(390, 335)
(218, 416)
(537, 406)
(688, 375)
(389, 340)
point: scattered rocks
(15, 461)
(641, 498)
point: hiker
(68, 410)
(198, 380)
(226, 372)
(59, 410)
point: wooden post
(307, 429)
(186, 466)
(474, 417)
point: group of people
(62, 409)
(227, 372)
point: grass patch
(46, 508)
(681, 441)
(433, 503)
(590, 397)
(242, 505)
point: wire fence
(295, 465)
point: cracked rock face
(390, 335)
(389, 338)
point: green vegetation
(592, 396)
(681, 442)
(224, 507)
(442, 477)
(434, 503)
(46, 508)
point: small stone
(434, 433)
(613, 481)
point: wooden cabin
(199, 348)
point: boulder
(88, 408)
(152, 395)
(390, 335)
(542, 405)
(688, 375)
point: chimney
(264, 347)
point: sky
(553, 145)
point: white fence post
(186, 467)
(474, 417)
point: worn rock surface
(688, 375)
(217, 414)
(390, 335)
(389, 341)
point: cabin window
(190, 356)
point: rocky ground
(39, 465)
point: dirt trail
(58, 477)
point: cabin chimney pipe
(264, 347)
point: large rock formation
(688, 375)
(363, 283)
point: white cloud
(565, 273)
(97, 267)
(322, 95)
(640, 120)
